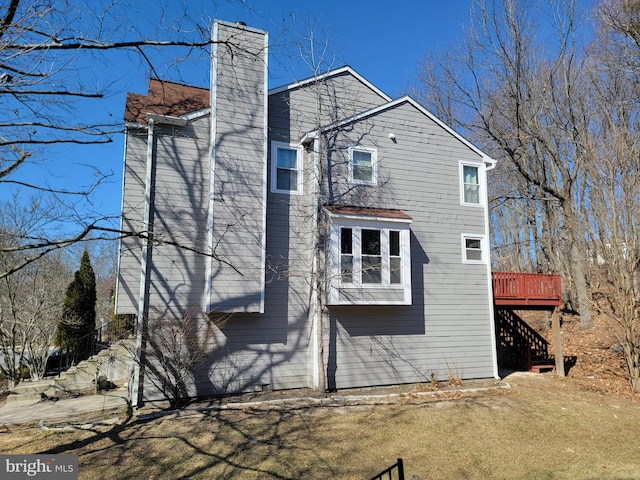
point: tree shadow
(232, 444)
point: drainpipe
(147, 242)
(490, 164)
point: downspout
(213, 96)
(490, 165)
(147, 243)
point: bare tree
(30, 300)
(174, 349)
(521, 94)
(613, 178)
(47, 52)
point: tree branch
(7, 20)
(65, 93)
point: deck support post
(556, 335)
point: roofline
(176, 83)
(187, 117)
(367, 213)
(329, 74)
(370, 218)
(490, 162)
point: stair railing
(524, 339)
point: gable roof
(332, 73)
(392, 104)
(165, 98)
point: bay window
(370, 259)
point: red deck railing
(526, 289)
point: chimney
(237, 208)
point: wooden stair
(519, 345)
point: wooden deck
(526, 290)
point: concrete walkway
(29, 411)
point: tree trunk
(580, 281)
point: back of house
(327, 235)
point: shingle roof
(368, 212)
(165, 98)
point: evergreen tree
(78, 319)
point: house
(341, 234)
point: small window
(470, 185)
(473, 249)
(362, 166)
(286, 168)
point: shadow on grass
(213, 444)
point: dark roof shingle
(165, 98)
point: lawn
(540, 428)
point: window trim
(463, 200)
(374, 165)
(275, 145)
(357, 224)
(483, 248)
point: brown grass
(541, 428)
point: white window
(286, 168)
(362, 166)
(470, 184)
(473, 249)
(371, 261)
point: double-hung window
(370, 259)
(470, 184)
(286, 168)
(362, 166)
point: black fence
(388, 474)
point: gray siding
(447, 328)
(446, 331)
(294, 112)
(179, 216)
(133, 183)
(176, 265)
(239, 157)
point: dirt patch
(600, 365)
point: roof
(175, 99)
(165, 98)
(332, 73)
(353, 211)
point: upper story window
(370, 257)
(362, 166)
(286, 168)
(470, 184)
